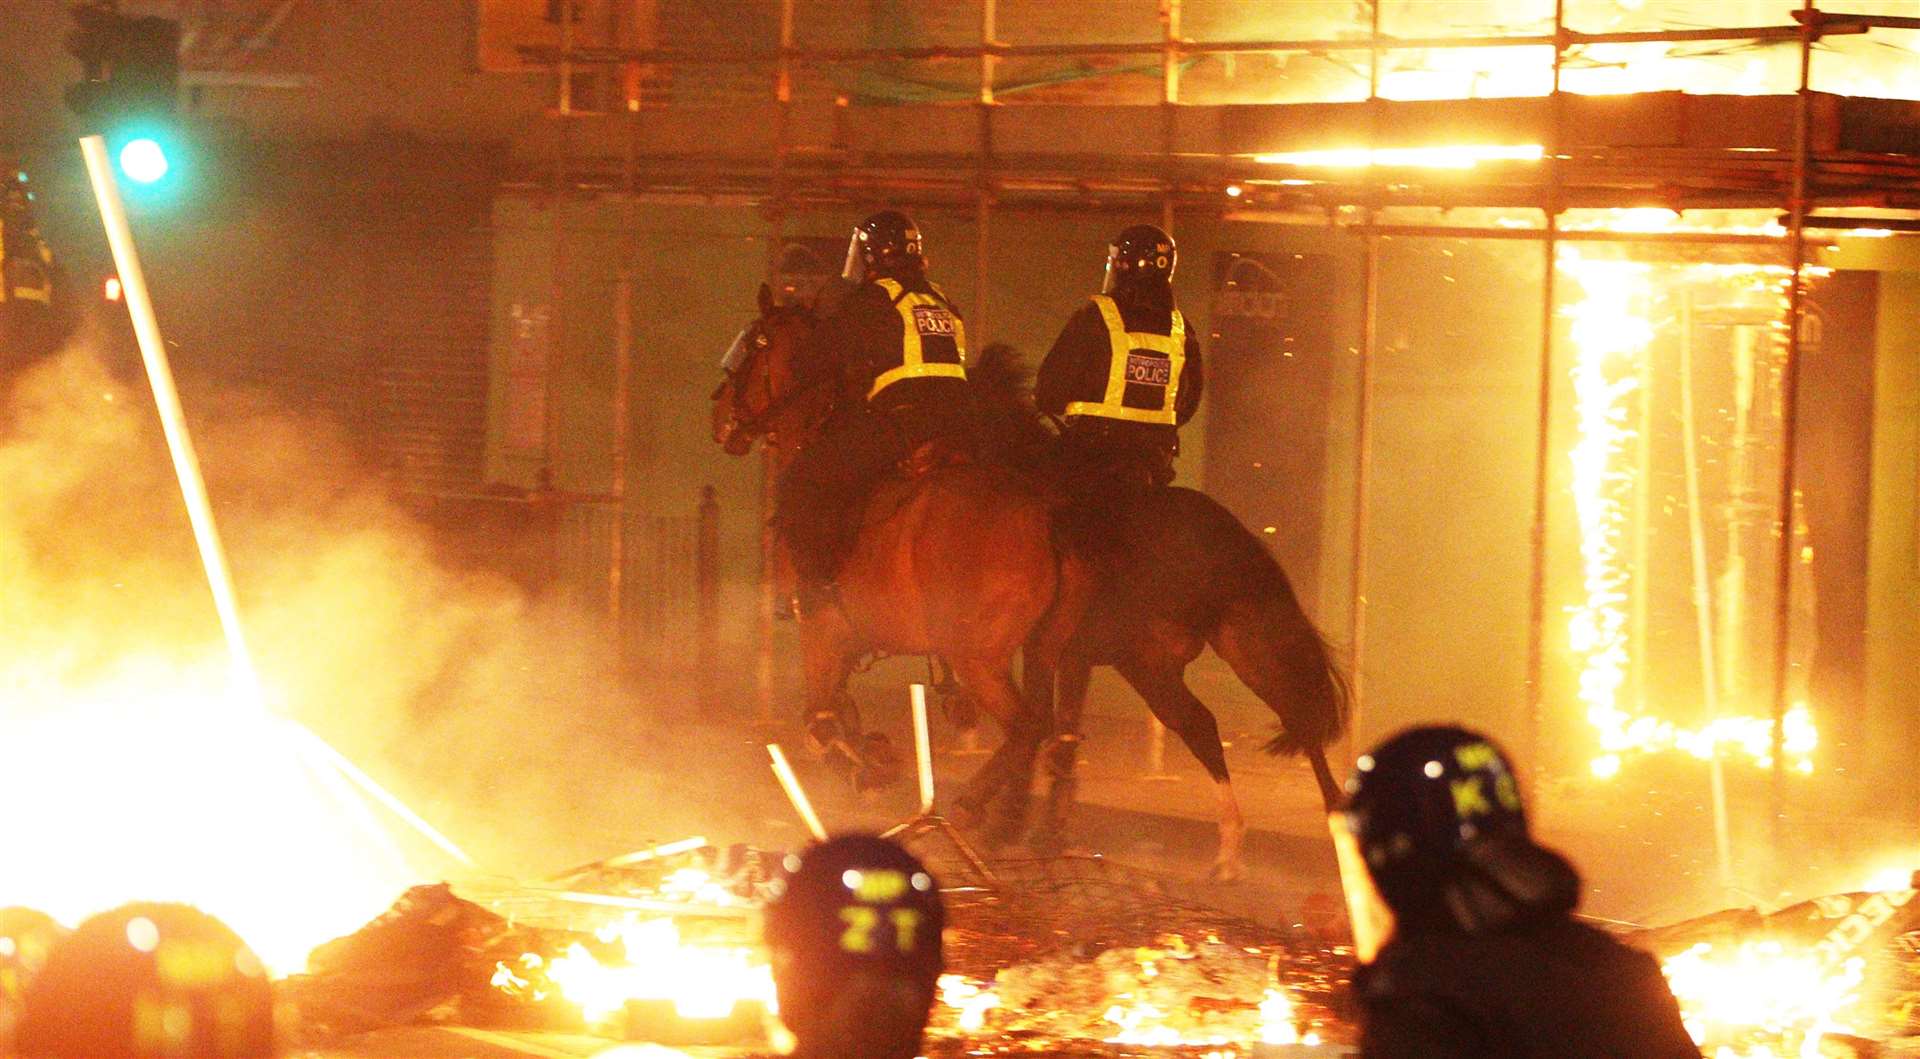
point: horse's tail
(1275, 650)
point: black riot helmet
(149, 980)
(886, 244)
(1420, 799)
(26, 937)
(855, 936)
(1139, 257)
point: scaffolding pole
(1543, 446)
(983, 203)
(1563, 38)
(1363, 421)
(769, 466)
(1790, 438)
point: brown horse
(958, 561)
(1154, 577)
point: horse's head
(761, 395)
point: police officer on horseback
(1125, 373)
(895, 350)
(30, 326)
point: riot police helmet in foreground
(1140, 257)
(149, 980)
(1434, 833)
(885, 245)
(855, 937)
(26, 937)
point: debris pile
(1823, 977)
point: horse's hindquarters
(959, 563)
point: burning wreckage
(1070, 956)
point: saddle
(931, 456)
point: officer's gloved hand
(1506, 881)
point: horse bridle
(757, 424)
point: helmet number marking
(862, 921)
(1470, 798)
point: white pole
(193, 487)
(923, 748)
(173, 421)
(1703, 596)
(783, 772)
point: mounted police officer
(895, 348)
(1125, 374)
(30, 327)
(1463, 925)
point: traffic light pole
(193, 489)
(173, 420)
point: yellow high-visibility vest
(929, 315)
(1139, 358)
(25, 282)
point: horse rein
(739, 419)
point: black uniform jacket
(1077, 367)
(863, 337)
(1543, 985)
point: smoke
(497, 715)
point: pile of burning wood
(1073, 955)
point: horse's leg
(1161, 683)
(1276, 653)
(826, 659)
(1062, 754)
(1009, 771)
(1330, 792)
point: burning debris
(1836, 969)
(1172, 993)
(1074, 956)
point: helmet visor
(736, 357)
(1367, 911)
(855, 271)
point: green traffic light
(143, 160)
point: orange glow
(1763, 999)
(649, 958)
(1464, 156)
(156, 783)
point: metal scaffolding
(1817, 168)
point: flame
(969, 1000)
(1746, 1001)
(157, 782)
(1142, 1020)
(1610, 328)
(649, 959)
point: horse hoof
(822, 734)
(880, 767)
(1227, 871)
